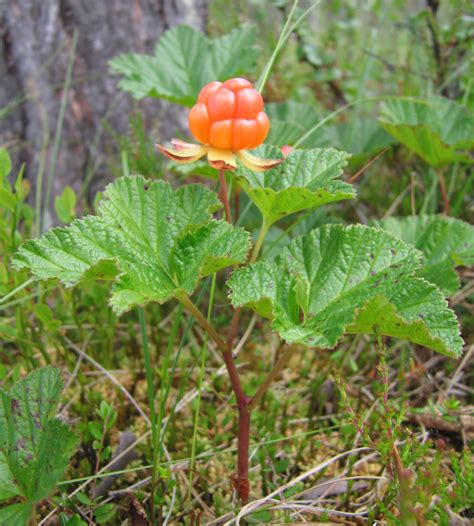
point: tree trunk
(35, 45)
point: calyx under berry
(227, 119)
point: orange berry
(244, 134)
(229, 116)
(221, 134)
(221, 105)
(249, 103)
(208, 90)
(199, 122)
(263, 127)
(236, 84)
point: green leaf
(65, 205)
(75, 520)
(104, 513)
(437, 129)
(362, 137)
(339, 280)
(7, 199)
(95, 429)
(15, 514)
(445, 242)
(8, 487)
(43, 313)
(35, 447)
(5, 164)
(55, 448)
(307, 179)
(153, 242)
(184, 61)
(290, 120)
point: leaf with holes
(307, 179)
(152, 242)
(446, 243)
(35, 447)
(184, 61)
(347, 280)
(438, 130)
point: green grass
(332, 60)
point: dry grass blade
(255, 505)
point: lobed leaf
(446, 243)
(18, 514)
(290, 121)
(184, 61)
(35, 447)
(437, 129)
(339, 280)
(151, 241)
(307, 179)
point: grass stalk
(260, 239)
(151, 404)
(202, 369)
(59, 125)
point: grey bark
(35, 44)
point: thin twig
(370, 163)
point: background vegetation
(341, 70)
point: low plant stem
(225, 346)
(221, 344)
(243, 441)
(202, 320)
(243, 437)
(234, 327)
(224, 196)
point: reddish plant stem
(234, 327)
(242, 399)
(243, 440)
(243, 436)
(236, 203)
(243, 433)
(224, 196)
(444, 193)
